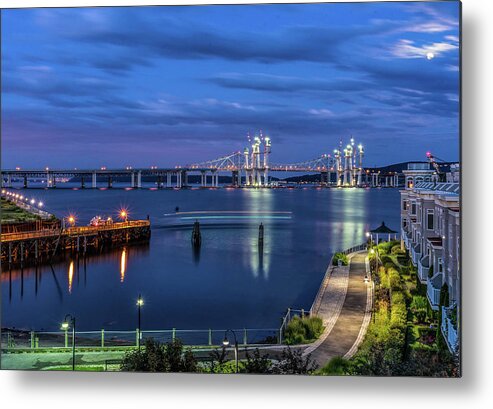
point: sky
(166, 86)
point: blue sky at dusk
(169, 85)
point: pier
(42, 245)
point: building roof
(383, 229)
(442, 188)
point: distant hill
(396, 167)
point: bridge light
(17, 168)
(47, 168)
(40, 204)
(33, 201)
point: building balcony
(423, 268)
(433, 287)
(416, 253)
(449, 328)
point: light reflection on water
(229, 282)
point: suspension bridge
(250, 168)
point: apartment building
(430, 231)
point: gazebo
(383, 229)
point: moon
(430, 56)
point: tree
(156, 357)
(293, 363)
(257, 363)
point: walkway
(345, 308)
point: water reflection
(261, 201)
(123, 264)
(70, 276)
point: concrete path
(351, 317)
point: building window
(413, 208)
(429, 219)
(440, 265)
(404, 205)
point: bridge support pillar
(94, 183)
(178, 180)
(159, 182)
(110, 182)
(139, 179)
(25, 182)
(82, 183)
(132, 180)
(168, 179)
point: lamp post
(124, 215)
(68, 321)
(140, 303)
(226, 343)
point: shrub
(397, 250)
(340, 256)
(303, 330)
(157, 357)
(419, 307)
(395, 281)
(336, 366)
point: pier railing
(73, 231)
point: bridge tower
(267, 149)
(257, 179)
(248, 171)
(360, 168)
(337, 156)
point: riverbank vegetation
(403, 337)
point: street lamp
(68, 321)
(140, 303)
(71, 220)
(226, 343)
(124, 215)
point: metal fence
(12, 340)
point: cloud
(287, 84)
(408, 49)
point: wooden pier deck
(42, 245)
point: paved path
(346, 320)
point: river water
(229, 283)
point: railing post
(36, 342)
(210, 336)
(245, 339)
(174, 334)
(102, 338)
(32, 339)
(280, 336)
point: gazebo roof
(383, 229)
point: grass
(303, 330)
(83, 368)
(12, 213)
